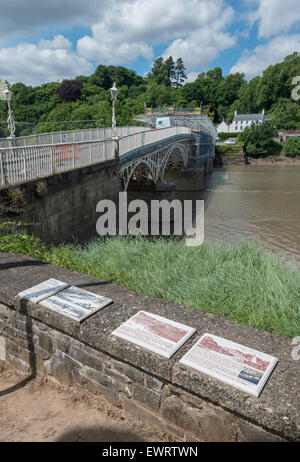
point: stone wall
(66, 206)
(159, 391)
(37, 349)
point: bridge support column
(210, 165)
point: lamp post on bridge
(114, 93)
(6, 95)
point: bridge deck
(21, 164)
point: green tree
(62, 112)
(215, 74)
(258, 139)
(179, 74)
(276, 81)
(159, 73)
(159, 95)
(292, 146)
(228, 89)
(285, 114)
(170, 71)
(247, 95)
(101, 77)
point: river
(254, 202)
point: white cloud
(58, 42)
(191, 77)
(121, 31)
(48, 61)
(200, 47)
(276, 16)
(254, 62)
(25, 17)
(131, 29)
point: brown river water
(254, 202)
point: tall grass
(239, 282)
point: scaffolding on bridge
(183, 117)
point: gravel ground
(40, 410)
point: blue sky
(52, 41)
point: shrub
(224, 136)
(16, 199)
(292, 147)
(41, 189)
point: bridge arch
(142, 168)
(155, 163)
(175, 156)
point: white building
(240, 122)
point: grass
(240, 282)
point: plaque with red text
(235, 364)
(154, 333)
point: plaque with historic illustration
(43, 290)
(76, 303)
(235, 364)
(154, 333)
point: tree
(159, 72)
(276, 81)
(170, 71)
(215, 74)
(159, 95)
(101, 77)
(123, 77)
(285, 114)
(60, 113)
(247, 96)
(292, 146)
(69, 90)
(258, 139)
(228, 89)
(179, 73)
(167, 72)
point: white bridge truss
(152, 166)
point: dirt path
(44, 411)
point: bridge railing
(71, 136)
(20, 164)
(137, 140)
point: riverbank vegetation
(228, 149)
(258, 140)
(239, 282)
(292, 147)
(88, 97)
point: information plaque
(154, 333)
(45, 289)
(76, 303)
(239, 366)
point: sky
(51, 41)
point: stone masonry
(158, 391)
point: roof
(248, 117)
